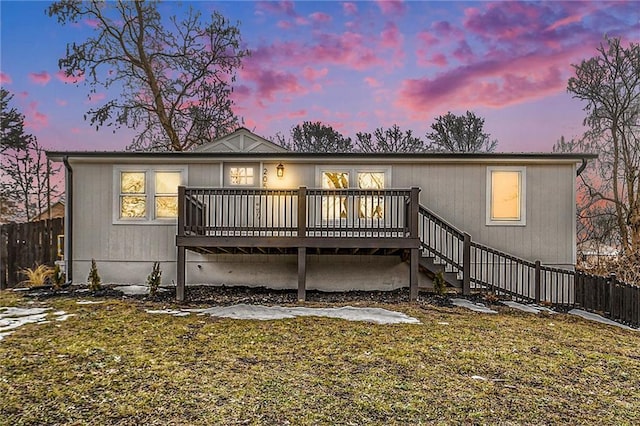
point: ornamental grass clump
(38, 276)
(93, 280)
(154, 279)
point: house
(54, 212)
(244, 211)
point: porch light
(280, 170)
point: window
(241, 176)
(360, 207)
(506, 195)
(371, 207)
(167, 194)
(334, 207)
(147, 195)
(133, 199)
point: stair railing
(483, 268)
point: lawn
(113, 363)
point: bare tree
(610, 85)
(11, 124)
(315, 137)
(25, 173)
(464, 133)
(390, 140)
(175, 79)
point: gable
(242, 140)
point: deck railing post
(536, 282)
(302, 211)
(181, 266)
(466, 264)
(414, 206)
(182, 211)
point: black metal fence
(24, 245)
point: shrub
(37, 276)
(439, 284)
(58, 277)
(93, 279)
(154, 279)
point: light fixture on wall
(280, 170)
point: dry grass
(113, 363)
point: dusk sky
(353, 65)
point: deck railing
(302, 212)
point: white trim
(149, 192)
(353, 170)
(522, 221)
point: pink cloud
(301, 20)
(269, 82)
(311, 74)
(372, 82)
(5, 78)
(92, 23)
(41, 78)
(35, 119)
(298, 114)
(498, 81)
(61, 102)
(71, 79)
(391, 36)
(285, 25)
(95, 98)
(76, 130)
(320, 18)
(349, 8)
(505, 20)
(564, 22)
(277, 7)
(391, 7)
(349, 49)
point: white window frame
(353, 171)
(150, 186)
(522, 221)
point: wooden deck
(298, 221)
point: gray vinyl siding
(456, 191)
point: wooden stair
(430, 267)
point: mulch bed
(225, 296)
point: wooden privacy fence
(23, 245)
(483, 268)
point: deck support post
(413, 274)
(466, 265)
(302, 274)
(182, 254)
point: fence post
(611, 281)
(466, 265)
(537, 283)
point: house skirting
(324, 272)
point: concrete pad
(476, 307)
(532, 309)
(266, 313)
(136, 290)
(598, 318)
